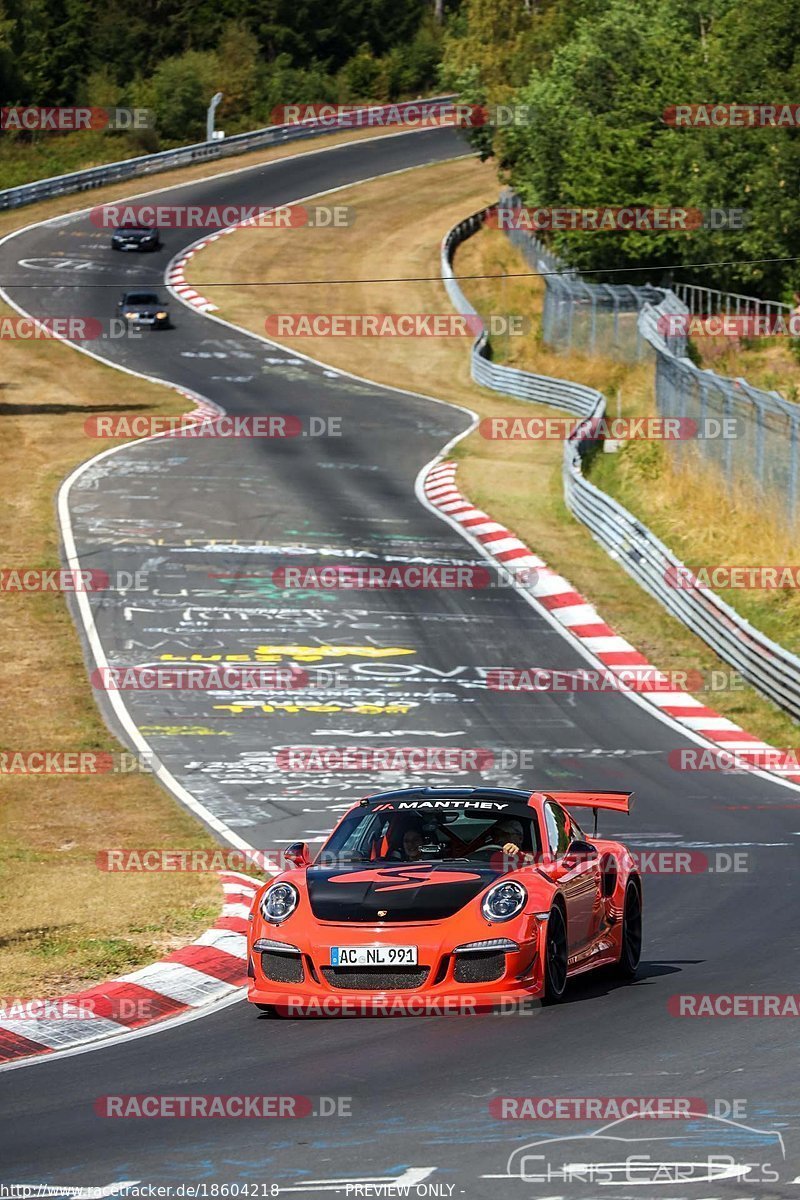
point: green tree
(178, 93)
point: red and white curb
(206, 410)
(176, 271)
(581, 619)
(202, 973)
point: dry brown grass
(399, 224)
(767, 363)
(63, 922)
(687, 504)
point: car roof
(454, 793)
(493, 801)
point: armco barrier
(621, 320)
(573, 397)
(765, 454)
(184, 156)
(578, 314)
(774, 671)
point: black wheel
(555, 965)
(631, 950)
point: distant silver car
(144, 308)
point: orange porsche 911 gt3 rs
(446, 900)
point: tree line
(596, 79)
(171, 55)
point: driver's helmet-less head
(510, 829)
(399, 826)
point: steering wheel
(488, 848)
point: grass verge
(768, 363)
(63, 922)
(399, 224)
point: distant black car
(144, 308)
(135, 237)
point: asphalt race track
(207, 522)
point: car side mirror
(579, 852)
(297, 855)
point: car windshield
(142, 298)
(392, 835)
(134, 229)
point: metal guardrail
(184, 156)
(705, 301)
(764, 446)
(622, 320)
(573, 397)
(577, 315)
(771, 669)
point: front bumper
(117, 245)
(445, 982)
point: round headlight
(504, 901)
(279, 902)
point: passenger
(406, 838)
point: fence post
(759, 443)
(727, 411)
(793, 471)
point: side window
(576, 833)
(557, 829)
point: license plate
(373, 956)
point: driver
(509, 834)
(406, 838)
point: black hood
(144, 310)
(409, 892)
(134, 235)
